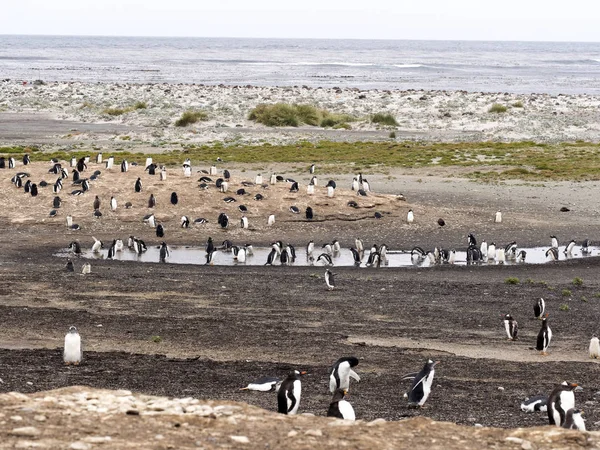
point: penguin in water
(511, 327)
(327, 261)
(97, 245)
(585, 247)
(209, 257)
(544, 337)
(560, 400)
(339, 407)
(264, 384)
(538, 308)
(138, 185)
(569, 249)
(552, 254)
(210, 246)
(594, 347)
(288, 397)
(329, 279)
(536, 403)
(421, 386)
(271, 257)
(164, 252)
(574, 421)
(73, 350)
(341, 372)
(112, 250)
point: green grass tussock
(286, 115)
(189, 117)
(497, 108)
(384, 119)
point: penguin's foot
(67, 363)
(544, 353)
(76, 363)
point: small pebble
(240, 439)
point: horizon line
(294, 38)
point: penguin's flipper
(409, 376)
(354, 375)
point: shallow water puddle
(395, 258)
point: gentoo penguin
(210, 246)
(294, 209)
(491, 253)
(97, 202)
(569, 248)
(264, 384)
(560, 400)
(81, 165)
(118, 245)
(110, 162)
(258, 179)
(112, 250)
(97, 245)
(226, 174)
(124, 166)
(33, 190)
(75, 248)
(187, 171)
(310, 189)
(539, 308)
(500, 256)
(27, 186)
(229, 200)
(209, 257)
(241, 255)
(163, 173)
(148, 162)
(511, 327)
(113, 204)
(271, 257)
(310, 248)
(97, 213)
(327, 261)
(212, 170)
(99, 158)
(521, 256)
(355, 186)
(138, 185)
(273, 179)
(330, 191)
(312, 169)
(243, 208)
(410, 217)
(421, 386)
(244, 222)
(339, 407)
(585, 247)
(259, 197)
(552, 253)
(359, 245)
(498, 217)
(271, 219)
(151, 201)
(69, 266)
(223, 186)
(26, 159)
(365, 185)
(164, 252)
(574, 421)
(73, 351)
(174, 199)
(223, 220)
(288, 397)
(313, 181)
(160, 231)
(356, 256)
(536, 403)
(86, 269)
(510, 250)
(185, 221)
(544, 337)
(554, 242)
(329, 279)
(341, 372)
(594, 347)
(309, 213)
(294, 187)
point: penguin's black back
(416, 391)
(334, 410)
(286, 391)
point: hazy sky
(547, 20)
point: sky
(519, 20)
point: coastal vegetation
(119, 111)
(384, 119)
(497, 108)
(294, 115)
(481, 161)
(189, 117)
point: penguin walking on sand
(164, 252)
(574, 420)
(151, 201)
(174, 198)
(421, 386)
(341, 372)
(339, 407)
(160, 231)
(329, 279)
(539, 308)
(73, 350)
(544, 337)
(498, 217)
(594, 347)
(264, 384)
(410, 217)
(113, 204)
(511, 327)
(288, 397)
(560, 400)
(138, 185)
(96, 203)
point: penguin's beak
(573, 384)
(303, 373)
(436, 363)
(346, 393)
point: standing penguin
(329, 279)
(594, 347)
(174, 199)
(151, 201)
(112, 250)
(574, 421)
(498, 218)
(26, 159)
(339, 407)
(410, 217)
(538, 308)
(288, 397)
(511, 327)
(421, 386)
(164, 252)
(160, 231)
(138, 185)
(544, 337)
(560, 400)
(341, 372)
(73, 351)
(309, 213)
(124, 166)
(96, 203)
(113, 204)
(33, 190)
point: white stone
(39, 418)
(315, 433)
(25, 431)
(97, 439)
(80, 446)
(240, 439)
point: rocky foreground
(84, 418)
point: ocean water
(518, 67)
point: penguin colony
(559, 405)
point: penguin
(309, 213)
(284, 258)
(264, 384)
(473, 254)
(544, 337)
(539, 308)
(594, 347)
(19, 182)
(241, 255)
(312, 169)
(160, 231)
(163, 173)
(310, 248)
(341, 372)
(73, 350)
(536, 403)
(112, 250)
(223, 220)
(96, 203)
(11, 163)
(410, 217)
(75, 248)
(330, 191)
(355, 185)
(326, 259)
(294, 187)
(33, 190)
(209, 246)
(26, 159)
(2, 162)
(491, 253)
(185, 221)
(226, 174)
(249, 250)
(441, 222)
(64, 173)
(223, 186)
(585, 247)
(500, 256)
(138, 185)
(574, 421)
(86, 269)
(339, 407)
(97, 214)
(258, 179)
(200, 220)
(498, 217)
(560, 400)
(313, 181)
(271, 219)
(329, 279)
(554, 242)
(81, 165)
(259, 197)
(521, 256)
(128, 205)
(328, 249)
(187, 171)
(244, 222)
(421, 386)
(124, 166)
(569, 248)
(118, 245)
(151, 201)
(356, 256)
(27, 186)
(288, 397)
(99, 158)
(113, 204)
(209, 256)
(110, 162)
(97, 245)
(229, 200)
(510, 251)
(150, 219)
(294, 209)
(511, 327)
(164, 252)
(552, 254)
(271, 257)
(273, 179)
(358, 243)
(75, 176)
(362, 192)
(174, 199)
(212, 170)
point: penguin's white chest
(297, 391)
(595, 348)
(346, 410)
(72, 351)
(507, 328)
(427, 382)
